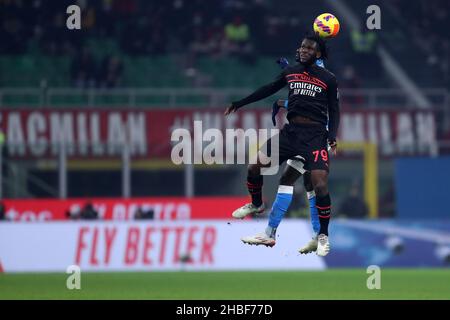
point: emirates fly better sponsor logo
(304, 84)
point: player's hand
(333, 146)
(232, 108)
(283, 62)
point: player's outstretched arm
(261, 93)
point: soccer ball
(326, 25)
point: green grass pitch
(330, 284)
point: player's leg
(298, 166)
(284, 196)
(254, 186)
(307, 183)
(255, 179)
(279, 209)
(295, 167)
(283, 199)
(311, 245)
(323, 203)
(317, 162)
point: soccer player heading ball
(312, 104)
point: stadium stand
(198, 51)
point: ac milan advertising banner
(99, 133)
(170, 208)
(155, 246)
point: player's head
(312, 48)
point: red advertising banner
(99, 133)
(125, 209)
(141, 249)
(143, 246)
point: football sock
(323, 205)
(313, 212)
(254, 185)
(279, 208)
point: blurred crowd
(425, 22)
(213, 28)
(143, 27)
